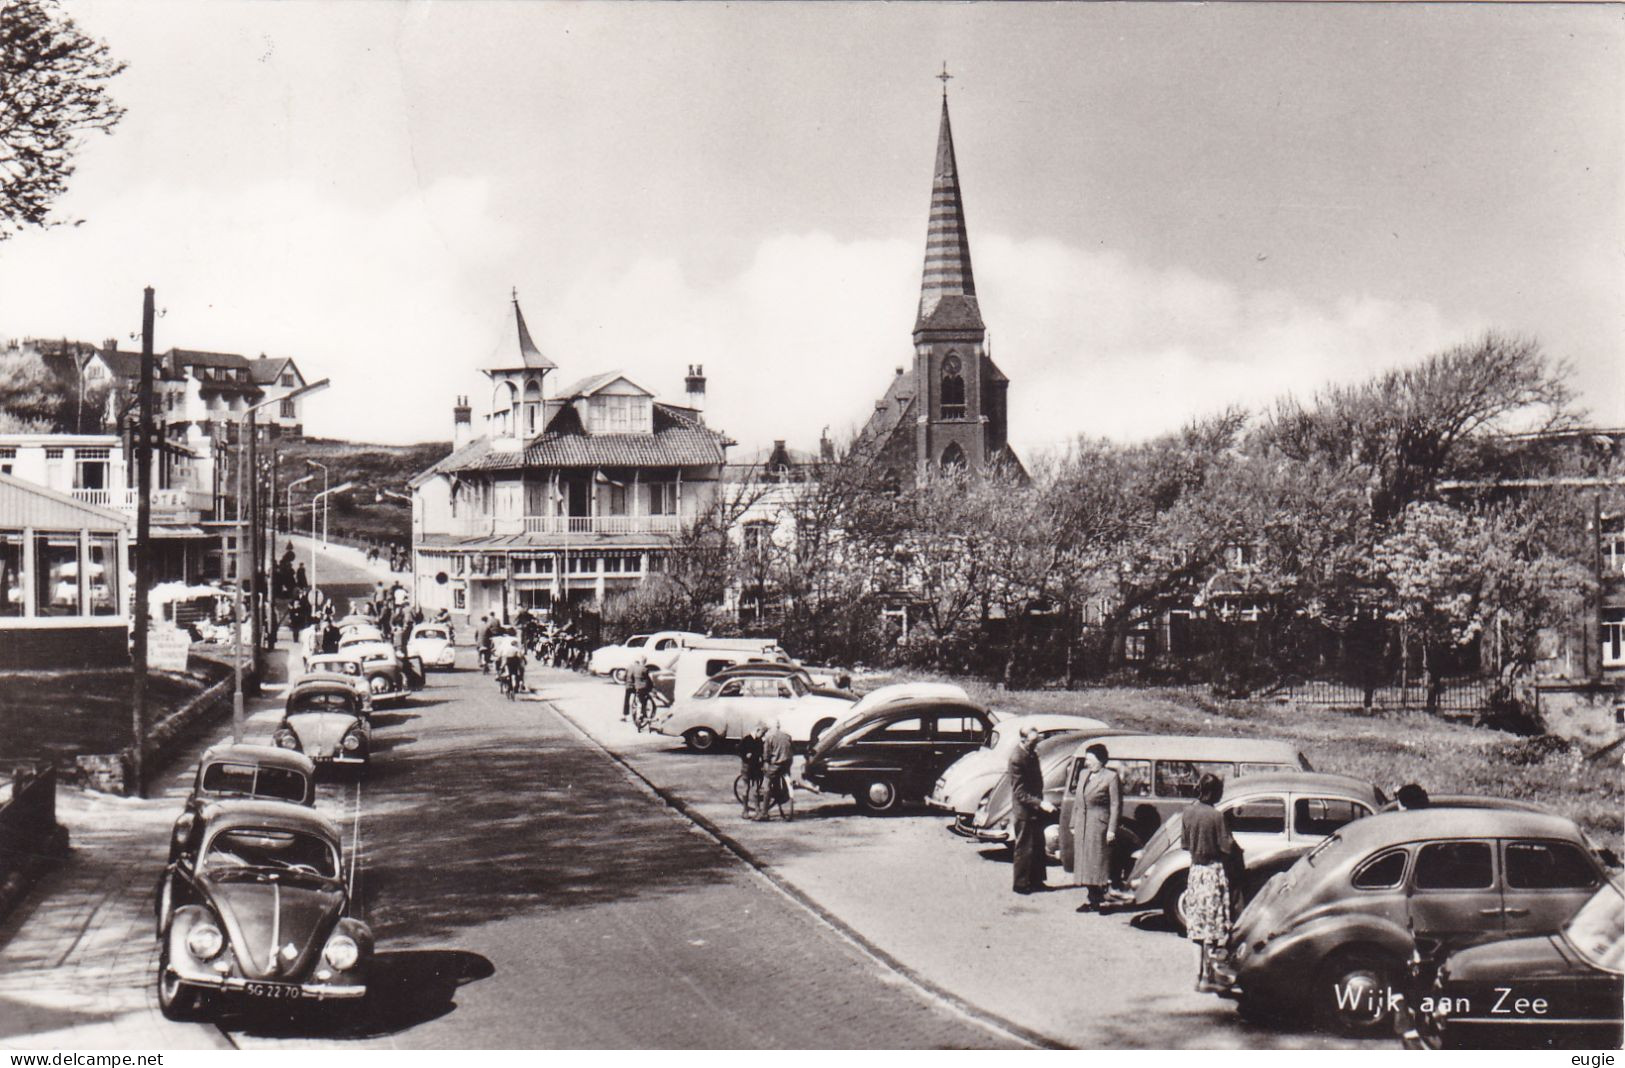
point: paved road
(524, 892)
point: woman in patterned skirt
(1207, 895)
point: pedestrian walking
(776, 757)
(1095, 814)
(750, 767)
(1027, 791)
(1206, 837)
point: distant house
(566, 498)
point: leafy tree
(53, 91)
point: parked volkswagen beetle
(253, 772)
(326, 721)
(1276, 817)
(1333, 933)
(963, 785)
(431, 643)
(259, 909)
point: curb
(988, 1020)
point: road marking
(699, 823)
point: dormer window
(619, 414)
(953, 388)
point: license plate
(274, 991)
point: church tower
(948, 409)
(959, 395)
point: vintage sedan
(342, 666)
(242, 771)
(992, 821)
(890, 755)
(431, 643)
(733, 703)
(387, 675)
(1333, 933)
(258, 908)
(1275, 817)
(1563, 989)
(965, 783)
(325, 720)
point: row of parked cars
(255, 898)
(1476, 915)
(1489, 915)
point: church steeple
(947, 246)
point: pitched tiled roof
(583, 387)
(456, 460)
(679, 440)
(897, 404)
(199, 358)
(268, 369)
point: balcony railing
(165, 502)
(567, 524)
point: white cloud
(401, 303)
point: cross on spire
(944, 78)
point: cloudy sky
(1170, 207)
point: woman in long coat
(1095, 813)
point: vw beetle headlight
(352, 742)
(205, 941)
(286, 739)
(342, 952)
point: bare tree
(53, 91)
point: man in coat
(1030, 808)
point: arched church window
(953, 388)
(953, 458)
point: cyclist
(750, 767)
(776, 757)
(510, 658)
(637, 676)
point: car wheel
(619, 675)
(176, 1000)
(878, 796)
(378, 684)
(818, 731)
(702, 740)
(1173, 902)
(1352, 990)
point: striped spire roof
(947, 247)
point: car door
(732, 710)
(1454, 894)
(1544, 883)
(955, 732)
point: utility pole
(143, 563)
(256, 590)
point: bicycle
(485, 659)
(778, 796)
(643, 707)
(505, 683)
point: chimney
(110, 345)
(826, 447)
(462, 423)
(695, 385)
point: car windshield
(1597, 931)
(266, 848)
(1309, 857)
(249, 780)
(321, 701)
(432, 632)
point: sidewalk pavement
(347, 555)
(78, 959)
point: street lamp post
(320, 499)
(314, 463)
(245, 423)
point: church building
(948, 408)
